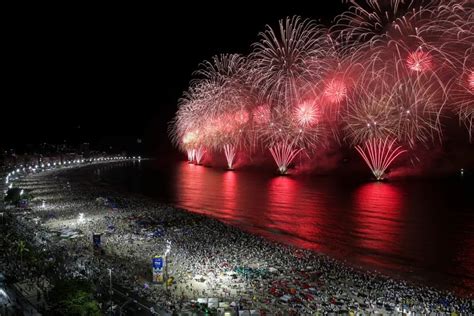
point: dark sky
(115, 73)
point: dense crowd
(207, 259)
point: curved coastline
(234, 265)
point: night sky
(114, 74)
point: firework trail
(284, 153)
(230, 152)
(199, 154)
(191, 153)
(379, 154)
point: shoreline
(239, 264)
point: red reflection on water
(377, 219)
(207, 191)
(383, 226)
(229, 195)
(290, 214)
(189, 186)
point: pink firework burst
(307, 113)
(241, 117)
(419, 61)
(190, 138)
(335, 91)
(261, 114)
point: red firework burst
(190, 138)
(307, 113)
(241, 117)
(262, 114)
(419, 61)
(335, 91)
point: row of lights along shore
(23, 170)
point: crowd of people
(204, 257)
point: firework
(199, 154)
(287, 60)
(230, 152)
(379, 154)
(419, 61)
(335, 91)
(387, 72)
(307, 113)
(262, 114)
(462, 97)
(372, 20)
(471, 80)
(284, 153)
(370, 114)
(191, 153)
(405, 108)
